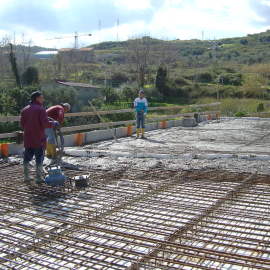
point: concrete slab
(218, 144)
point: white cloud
(6, 2)
(61, 4)
(184, 19)
(125, 31)
(266, 2)
(172, 3)
(217, 18)
(133, 4)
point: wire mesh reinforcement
(131, 219)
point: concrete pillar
(189, 122)
(151, 126)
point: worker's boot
(27, 178)
(143, 137)
(51, 150)
(138, 133)
(39, 172)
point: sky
(41, 21)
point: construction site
(185, 198)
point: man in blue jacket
(141, 107)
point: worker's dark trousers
(29, 153)
(140, 120)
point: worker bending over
(56, 113)
(141, 107)
(34, 120)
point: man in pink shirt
(56, 113)
(34, 120)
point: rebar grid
(131, 219)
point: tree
(139, 53)
(5, 67)
(7, 104)
(230, 79)
(111, 95)
(14, 66)
(161, 79)
(244, 41)
(205, 77)
(30, 76)
(118, 78)
(129, 93)
(14, 99)
(60, 94)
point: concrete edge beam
(83, 138)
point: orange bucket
(79, 139)
(129, 130)
(163, 124)
(4, 149)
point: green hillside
(232, 67)
(171, 72)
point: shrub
(111, 95)
(240, 114)
(119, 78)
(30, 76)
(205, 77)
(181, 81)
(61, 94)
(260, 107)
(14, 99)
(230, 79)
(128, 93)
(244, 41)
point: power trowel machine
(55, 176)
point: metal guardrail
(10, 119)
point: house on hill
(45, 54)
(82, 55)
(84, 91)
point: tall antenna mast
(76, 43)
(99, 25)
(99, 29)
(117, 34)
(14, 38)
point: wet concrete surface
(227, 136)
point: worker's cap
(35, 95)
(66, 105)
(141, 92)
